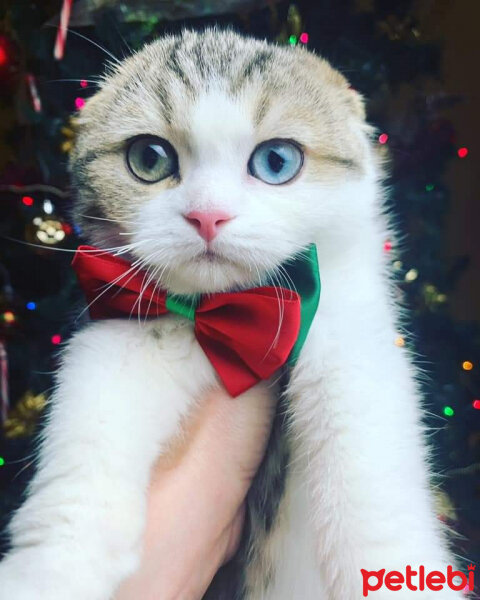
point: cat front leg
(121, 393)
(357, 434)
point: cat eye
(151, 158)
(276, 161)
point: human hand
(196, 497)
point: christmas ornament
(45, 230)
(68, 132)
(61, 38)
(22, 419)
(32, 87)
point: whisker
(281, 309)
(144, 285)
(23, 459)
(112, 284)
(154, 291)
(282, 272)
(71, 250)
(130, 51)
(26, 466)
(139, 262)
(105, 219)
(138, 300)
(87, 39)
(160, 277)
(136, 267)
(34, 187)
(10, 239)
(94, 81)
(280, 303)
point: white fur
(358, 491)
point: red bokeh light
(3, 56)
(383, 138)
(56, 339)
(462, 152)
(304, 38)
(27, 200)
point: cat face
(212, 159)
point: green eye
(151, 159)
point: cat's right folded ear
(357, 103)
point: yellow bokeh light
(400, 341)
(8, 316)
(467, 365)
(411, 275)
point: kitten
(258, 150)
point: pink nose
(207, 223)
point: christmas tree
(47, 71)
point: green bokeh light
(448, 411)
(429, 187)
(292, 39)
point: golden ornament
(68, 132)
(45, 231)
(22, 419)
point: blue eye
(151, 159)
(276, 161)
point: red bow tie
(246, 335)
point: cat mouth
(211, 257)
(209, 271)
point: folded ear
(349, 97)
(357, 103)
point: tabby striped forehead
(278, 91)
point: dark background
(415, 61)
